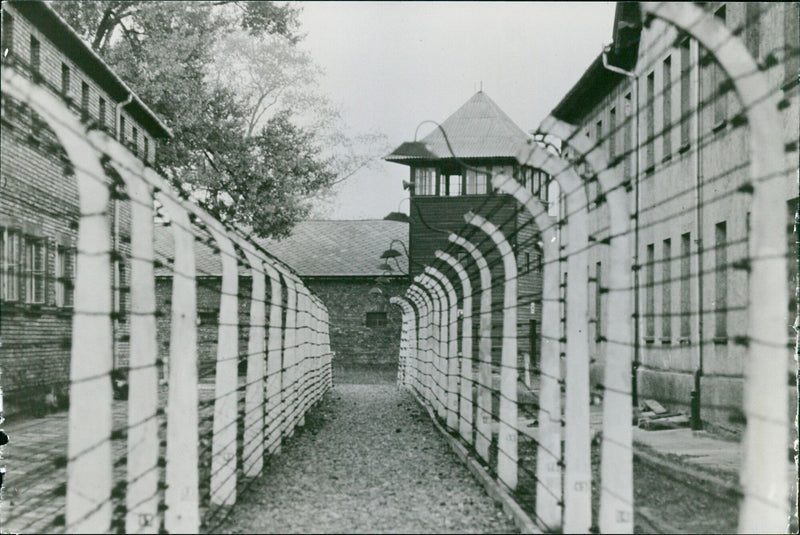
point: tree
(243, 152)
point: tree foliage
(255, 142)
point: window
(441, 185)
(649, 310)
(65, 276)
(651, 126)
(685, 295)
(628, 141)
(84, 100)
(122, 129)
(146, 155)
(666, 107)
(476, 181)
(11, 260)
(612, 134)
(717, 78)
(752, 27)
(791, 46)
(599, 132)
(65, 80)
(34, 55)
(686, 110)
(721, 281)
(101, 114)
(666, 292)
(7, 35)
(424, 181)
(598, 301)
(34, 270)
(135, 141)
(453, 185)
(376, 319)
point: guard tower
(450, 174)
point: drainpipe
(115, 236)
(695, 420)
(637, 349)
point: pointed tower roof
(478, 129)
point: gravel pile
(368, 460)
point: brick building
(686, 169)
(340, 261)
(450, 176)
(39, 200)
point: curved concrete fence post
(274, 372)
(616, 471)
(288, 387)
(465, 356)
(764, 506)
(548, 449)
(451, 363)
(89, 467)
(417, 356)
(507, 457)
(303, 353)
(577, 448)
(182, 496)
(432, 342)
(405, 338)
(441, 320)
(483, 415)
(141, 497)
(253, 447)
(223, 443)
(427, 336)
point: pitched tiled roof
(316, 248)
(478, 129)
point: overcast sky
(392, 65)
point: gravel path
(368, 460)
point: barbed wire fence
(193, 431)
(615, 227)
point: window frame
(35, 280)
(10, 265)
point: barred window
(34, 55)
(666, 291)
(7, 35)
(685, 88)
(84, 100)
(685, 289)
(721, 281)
(650, 294)
(667, 107)
(65, 80)
(376, 319)
(651, 122)
(65, 276)
(35, 262)
(628, 134)
(717, 78)
(612, 134)
(101, 116)
(11, 260)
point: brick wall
(39, 200)
(348, 301)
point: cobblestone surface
(368, 460)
